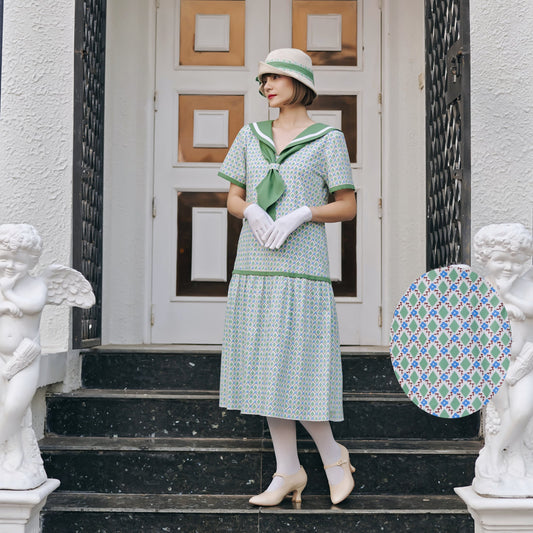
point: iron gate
(88, 151)
(447, 132)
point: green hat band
(291, 66)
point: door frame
(129, 156)
(359, 317)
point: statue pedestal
(506, 515)
(19, 509)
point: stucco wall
(502, 112)
(128, 180)
(36, 134)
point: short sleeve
(337, 163)
(233, 168)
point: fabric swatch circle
(450, 342)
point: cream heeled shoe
(340, 491)
(294, 483)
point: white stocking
(328, 448)
(283, 433)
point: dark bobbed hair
(301, 93)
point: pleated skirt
(281, 354)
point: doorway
(207, 53)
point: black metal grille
(448, 132)
(89, 79)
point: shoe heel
(297, 494)
(352, 468)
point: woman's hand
(278, 232)
(260, 222)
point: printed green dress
(280, 354)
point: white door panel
(197, 106)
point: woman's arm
(342, 208)
(236, 201)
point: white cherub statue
(22, 299)
(504, 467)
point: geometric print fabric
(280, 353)
(309, 174)
(450, 342)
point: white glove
(259, 220)
(284, 226)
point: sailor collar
(272, 186)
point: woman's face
(278, 89)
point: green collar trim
(313, 132)
(263, 132)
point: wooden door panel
(346, 106)
(203, 137)
(326, 30)
(185, 285)
(212, 32)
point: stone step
(236, 466)
(363, 372)
(104, 513)
(149, 413)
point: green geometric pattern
(450, 342)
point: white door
(207, 56)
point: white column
(128, 162)
(36, 130)
(502, 112)
(503, 515)
(19, 509)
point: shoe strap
(340, 462)
(277, 474)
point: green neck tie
(272, 186)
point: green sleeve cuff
(341, 187)
(232, 180)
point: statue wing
(66, 285)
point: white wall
(502, 112)
(128, 170)
(36, 128)
(36, 134)
(404, 189)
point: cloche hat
(290, 62)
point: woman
(281, 356)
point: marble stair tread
(212, 513)
(178, 370)
(151, 413)
(208, 395)
(210, 348)
(233, 466)
(202, 503)
(373, 446)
